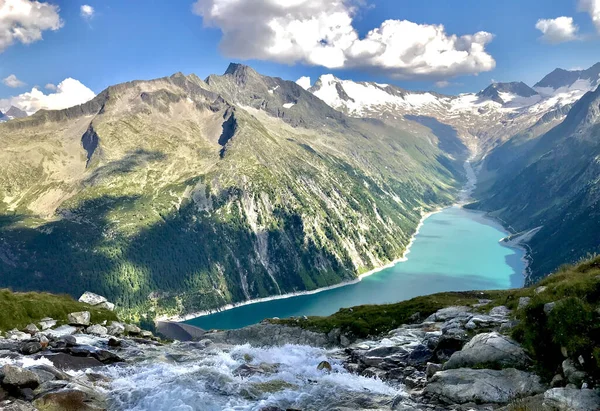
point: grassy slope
(574, 323)
(19, 309)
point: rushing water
(455, 250)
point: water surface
(455, 250)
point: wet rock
(565, 399)
(47, 323)
(17, 335)
(247, 370)
(415, 380)
(373, 372)
(482, 386)
(96, 329)
(132, 329)
(19, 378)
(25, 394)
(146, 334)
(9, 345)
(48, 371)
(103, 356)
(115, 328)
(271, 335)
(447, 313)
(386, 357)
(62, 331)
(431, 369)
(9, 354)
(113, 342)
(71, 399)
(67, 362)
(79, 318)
(449, 343)
(489, 350)
(420, 355)
(523, 302)
(16, 405)
(324, 366)
(29, 348)
(31, 329)
(572, 374)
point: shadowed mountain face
(177, 194)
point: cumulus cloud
(442, 84)
(304, 82)
(12, 81)
(25, 20)
(87, 11)
(593, 8)
(69, 93)
(321, 33)
(558, 30)
(50, 86)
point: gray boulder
(31, 347)
(79, 318)
(46, 323)
(548, 307)
(115, 328)
(62, 331)
(569, 399)
(106, 305)
(500, 311)
(265, 334)
(15, 334)
(96, 329)
(447, 313)
(460, 386)
(92, 299)
(572, 374)
(132, 329)
(19, 377)
(31, 329)
(489, 350)
(523, 302)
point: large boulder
(79, 318)
(115, 328)
(17, 335)
(92, 299)
(571, 399)
(67, 362)
(62, 331)
(489, 350)
(96, 329)
(464, 385)
(447, 313)
(19, 377)
(46, 323)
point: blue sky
(128, 40)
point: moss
(19, 309)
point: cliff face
(177, 194)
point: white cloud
(25, 20)
(321, 33)
(12, 81)
(69, 93)
(87, 11)
(442, 84)
(593, 8)
(304, 82)
(50, 86)
(558, 30)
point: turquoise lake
(455, 250)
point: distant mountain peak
(15, 112)
(518, 88)
(559, 78)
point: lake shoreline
(404, 257)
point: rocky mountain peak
(495, 90)
(15, 112)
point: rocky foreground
(459, 358)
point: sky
(58, 53)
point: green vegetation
(573, 325)
(17, 310)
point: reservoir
(455, 250)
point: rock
(106, 305)
(260, 335)
(79, 318)
(345, 341)
(540, 289)
(572, 374)
(69, 340)
(115, 328)
(523, 302)
(489, 350)
(565, 399)
(132, 329)
(482, 386)
(67, 362)
(447, 313)
(19, 377)
(71, 399)
(17, 335)
(48, 370)
(113, 342)
(557, 381)
(500, 311)
(548, 307)
(62, 331)
(16, 405)
(146, 334)
(29, 348)
(431, 369)
(383, 357)
(324, 366)
(92, 299)
(247, 370)
(31, 329)
(373, 372)
(96, 330)
(103, 356)
(448, 344)
(420, 355)
(46, 323)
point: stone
(557, 381)
(113, 342)
(71, 399)
(91, 298)
(79, 318)
(461, 386)
(31, 347)
(46, 323)
(572, 374)
(96, 329)
(132, 329)
(146, 334)
(523, 302)
(106, 305)
(373, 372)
(62, 331)
(383, 357)
(447, 313)
(247, 370)
(19, 377)
(566, 399)
(548, 307)
(115, 328)
(448, 344)
(31, 329)
(431, 369)
(540, 289)
(420, 355)
(49, 370)
(500, 311)
(324, 366)
(17, 335)
(67, 362)
(489, 350)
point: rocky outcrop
(489, 350)
(465, 385)
(79, 318)
(265, 334)
(571, 399)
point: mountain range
(179, 194)
(12, 113)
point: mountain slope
(177, 194)
(554, 185)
